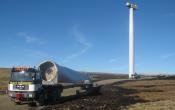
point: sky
(88, 35)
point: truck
(45, 83)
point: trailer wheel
(41, 100)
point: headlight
(30, 95)
(10, 94)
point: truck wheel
(41, 100)
(32, 104)
(17, 103)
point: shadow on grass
(112, 97)
(124, 97)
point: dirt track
(6, 104)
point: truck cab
(24, 84)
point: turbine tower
(131, 7)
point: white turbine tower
(131, 7)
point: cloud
(30, 39)
(166, 56)
(113, 60)
(81, 39)
(170, 14)
(37, 54)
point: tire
(41, 100)
(18, 103)
(32, 104)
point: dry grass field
(4, 78)
(154, 94)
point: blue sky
(88, 35)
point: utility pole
(131, 7)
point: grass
(158, 105)
(4, 78)
(158, 94)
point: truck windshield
(23, 76)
